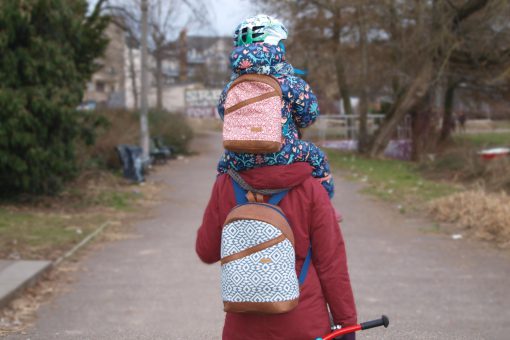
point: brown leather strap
(251, 101)
(254, 249)
(254, 197)
(250, 197)
(261, 78)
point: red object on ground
(312, 217)
(494, 153)
(349, 331)
(343, 331)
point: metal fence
(337, 127)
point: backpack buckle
(254, 197)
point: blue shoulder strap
(240, 193)
(306, 265)
(276, 198)
(300, 72)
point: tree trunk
(448, 124)
(132, 75)
(395, 54)
(159, 80)
(416, 135)
(363, 104)
(420, 128)
(340, 71)
(342, 82)
(416, 91)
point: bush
(173, 128)
(47, 53)
(123, 127)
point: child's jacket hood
(259, 58)
(278, 176)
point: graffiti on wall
(397, 148)
(202, 103)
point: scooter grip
(383, 321)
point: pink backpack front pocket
(253, 121)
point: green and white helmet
(260, 28)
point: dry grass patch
(484, 215)
(47, 227)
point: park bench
(132, 164)
(160, 153)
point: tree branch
(471, 7)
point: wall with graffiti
(202, 103)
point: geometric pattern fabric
(265, 276)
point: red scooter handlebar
(383, 321)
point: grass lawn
(485, 139)
(392, 180)
(46, 227)
(37, 235)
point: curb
(83, 242)
(17, 282)
(15, 278)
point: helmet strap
(282, 46)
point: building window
(100, 86)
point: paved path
(153, 287)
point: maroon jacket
(311, 215)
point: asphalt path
(152, 286)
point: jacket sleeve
(221, 101)
(330, 261)
(305, 108)
(306, 151)
(208, 243)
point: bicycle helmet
(260, 28)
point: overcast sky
(225, 16)
(229, 13)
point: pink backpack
(253, 118)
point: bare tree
(411, 52)
(444, 31)
(166, 18)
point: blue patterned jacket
(300, 110)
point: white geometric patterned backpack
(258, 260)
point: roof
(198, 42)
(204, 42)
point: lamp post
(144, 105)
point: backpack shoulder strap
(239, 192)
(306, 265)
(241, 198)
(242, 183)
(276, 198)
